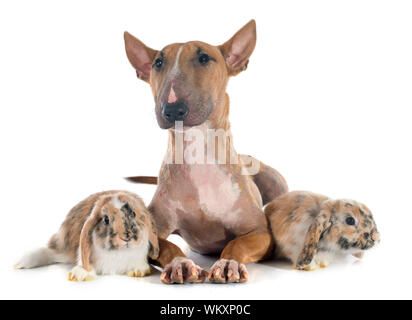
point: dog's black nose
(176, 111)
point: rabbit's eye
(106, 220)
(350, 221)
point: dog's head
(188, 80)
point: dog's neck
(214, 133)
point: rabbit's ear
(153, 238)
(318, 227)
(86, 241)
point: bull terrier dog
(214, 204)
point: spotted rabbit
(311, 230)
(110, 232)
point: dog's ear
(140, 56)
(239, 48)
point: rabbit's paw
(140, 271)
(78, 273)
(312, 266)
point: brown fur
(268, 180)
(186, 201)
(304, 224)
(76, 231)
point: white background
(326, 100)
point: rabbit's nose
(376, 237)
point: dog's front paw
(78, 273)
(183, 270)
(228, 271)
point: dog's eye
(106, 220)
(350, 221)
(204, 58)
(158, 63)
(133, 214)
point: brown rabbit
(311, 229)
(109, 232)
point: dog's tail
(142, 179)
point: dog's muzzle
(176, 111)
